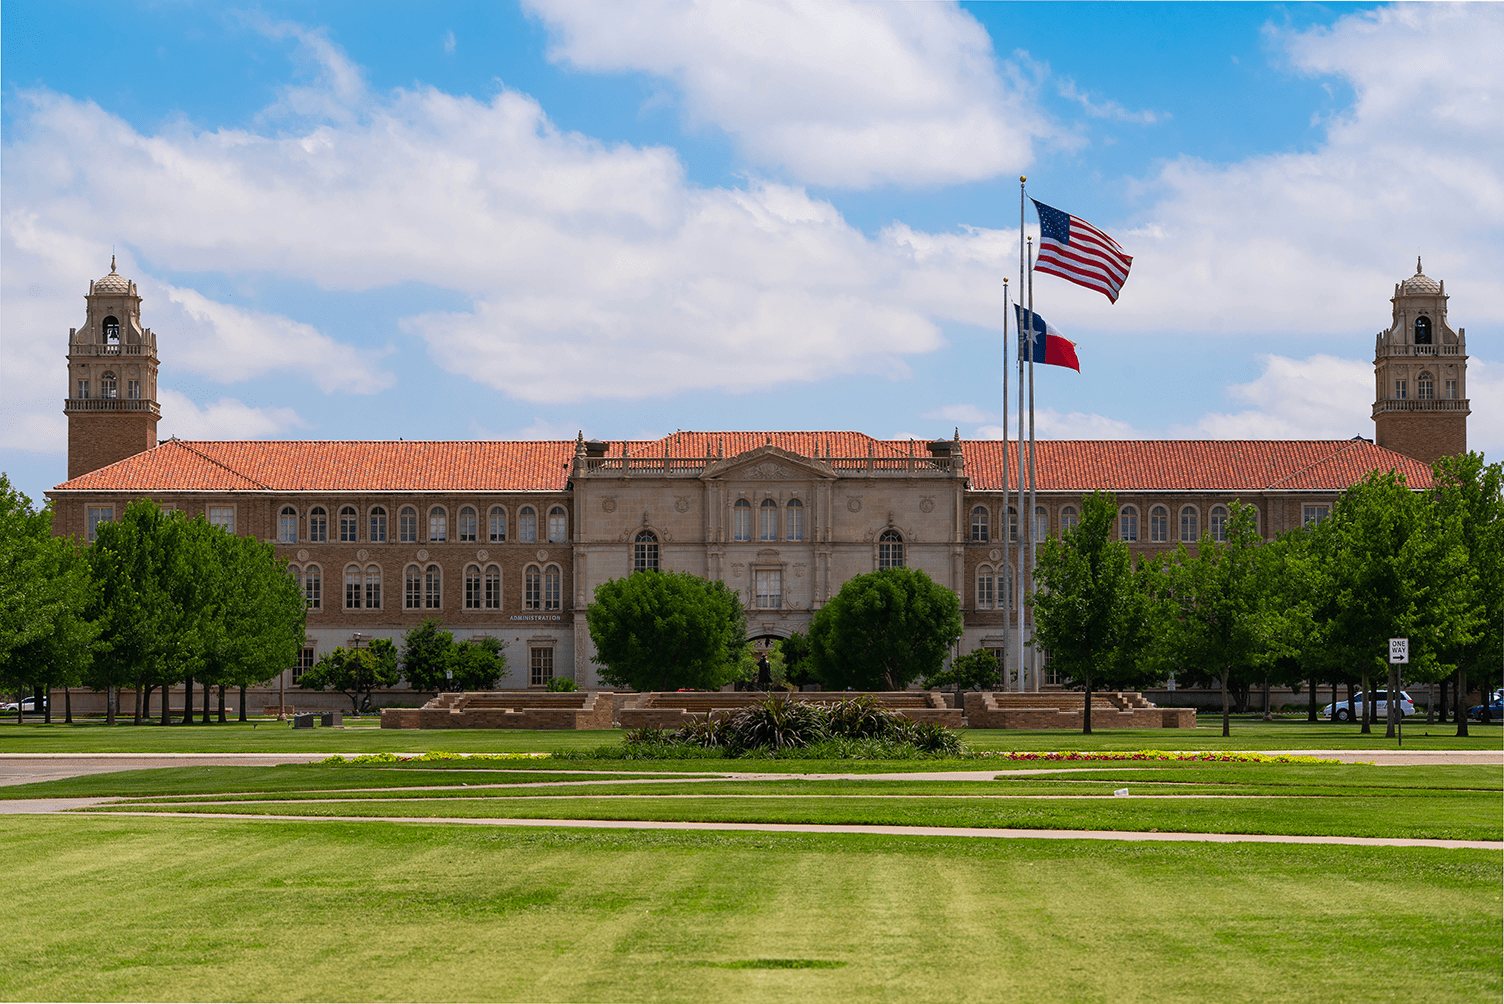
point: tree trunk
(1311, 709)
(1392, 706)
(67, 706)
(1441, 704)
(1430, 702)
(1267, 715)
(242, 702)
(166, 700)
(109, 704)
(1367, 699)
(47, 708)
(207, 692)
(1086, 709)
(221, 704)
(188, 701)
(1459, 701)
(1226, 721)
(136, 719)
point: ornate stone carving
(422, 555)
(799, 567)
(854, 504)
(768, 471)
(736, 569)
(542, 555)
(482, 554)
(302, 555)
(681, 503)
(995, 554)
(609, 503)
(362, 554)
(926, 505)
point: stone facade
(1420, 374)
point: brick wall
(98, 440)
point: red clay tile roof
(544, 465)
(288, 466)
(1078, 465)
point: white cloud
(968, 413)
(834, 93)
(449, 42)
(226, 418)
(1106, 109)
(1320, 397)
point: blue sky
(499, 221)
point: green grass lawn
(142, 908)
(271, 736)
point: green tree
(884, 630)
(666, 630)
(478, 664)
(45, 593)
(258, 627)
(798, 668)
(1088, 609)
(355, 672)
(427, 655)
(977, 668)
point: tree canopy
(433, 661)
(355, 672)
(666, 630)
(883, 630)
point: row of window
(1425, 389)
(220, 516)
(540, 665)
(346, 525)
(981, 522)
(991, 586)
(423, 587)
(767, 520)
(109, 388)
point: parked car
(27, 706)
(1493, 711)
(1346, 712)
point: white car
(1353, 712)
(28, 705)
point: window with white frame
(433, 587)
(1451, 390)
(469, 530)
(99, 514)
(986, 595)
(354, 587)
(472, 587)
(133, 390)
(349, 525)
(767, 520)
(1012, 524)
(318, 525)
(794, 520)
(1425, 387)
(553, 581)
(645, 552)
(438, 525)
(222, 516)
(1069, 519)
(1219, 523)
(108, 385)
(769, 585)
(1313, 515)
(412, 588)
(378, 524)
(741, 520)
(1190, 524)
(313, 587)
(532, 588)
(558, 525)
(83, 390)
(540, 666)
(979, 523)
(890, 549)
(373, 587)
(496, 525)
(492, 598)
(305, 662)
(287, 525)
(1128, 523)
(1041, 523)
(1399, 390)
(527, 525)
(1159, 524)
(407, 525)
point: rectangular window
(304, 664)
(318, 525)
(222, 516)
(407, 526)
(1128, 526)
(1041, 523)
(552, 580)
(378, 526)
(438, 526)
(348, 525)
(1399, 390)
(741, 522)
(1451, 388)
(769, 588)
(1315, 514)
(373, 588)
(498, 526)
(1219, 525)
(493, 588)
(472, 588)
(986, 600)
(794, 520)
(558, 527)
(98, 515)
(412, 589)
(979, 525)
(767, 519)
(467, 525)
(287, 527)
(527, 527)
(83, 390)
(542, 666)
(432, 585)
(313, 588)
(133, 390)
(1190, 525)
(532, 595)
(353, 589)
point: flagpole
(1016, 580)
(1033, 544)
(1007, 307)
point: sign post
(1399, 654)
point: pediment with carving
(768, 463)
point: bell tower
(1420, 403)
(112, 378)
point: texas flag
(1050, 346)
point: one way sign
(1399, 650)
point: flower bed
(1202, 756)
(430, 756)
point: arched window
(1128, 523)
(472, 587)
(469, 531)
(1219, 523)
(553, 580)
(287, 525)
(496, 525)
(407, 525)
(349, 524)
(318, 525)
(313, 587)
(1069, 520)
(373, 587)
(378, 525)
(1012, 524)
(493, 587)
(767, 520)
(793, 520)
(532, 588)
(741, 520)
(1041, 523)
(111, 328)
(558, 525)
(1190, 524)
(108, 386)
(986, 596)
(353, 587)
(412, 586)
(979, 523)
(645, 552)
(1425, 387)
(527, 525)
(438, 524)
(890, 549)
(433, 587)
(1159, 524)
(1423, 330)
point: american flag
(1074, 249)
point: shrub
(562, 685)
(859, 718)
(777, 724)
(710, 732)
